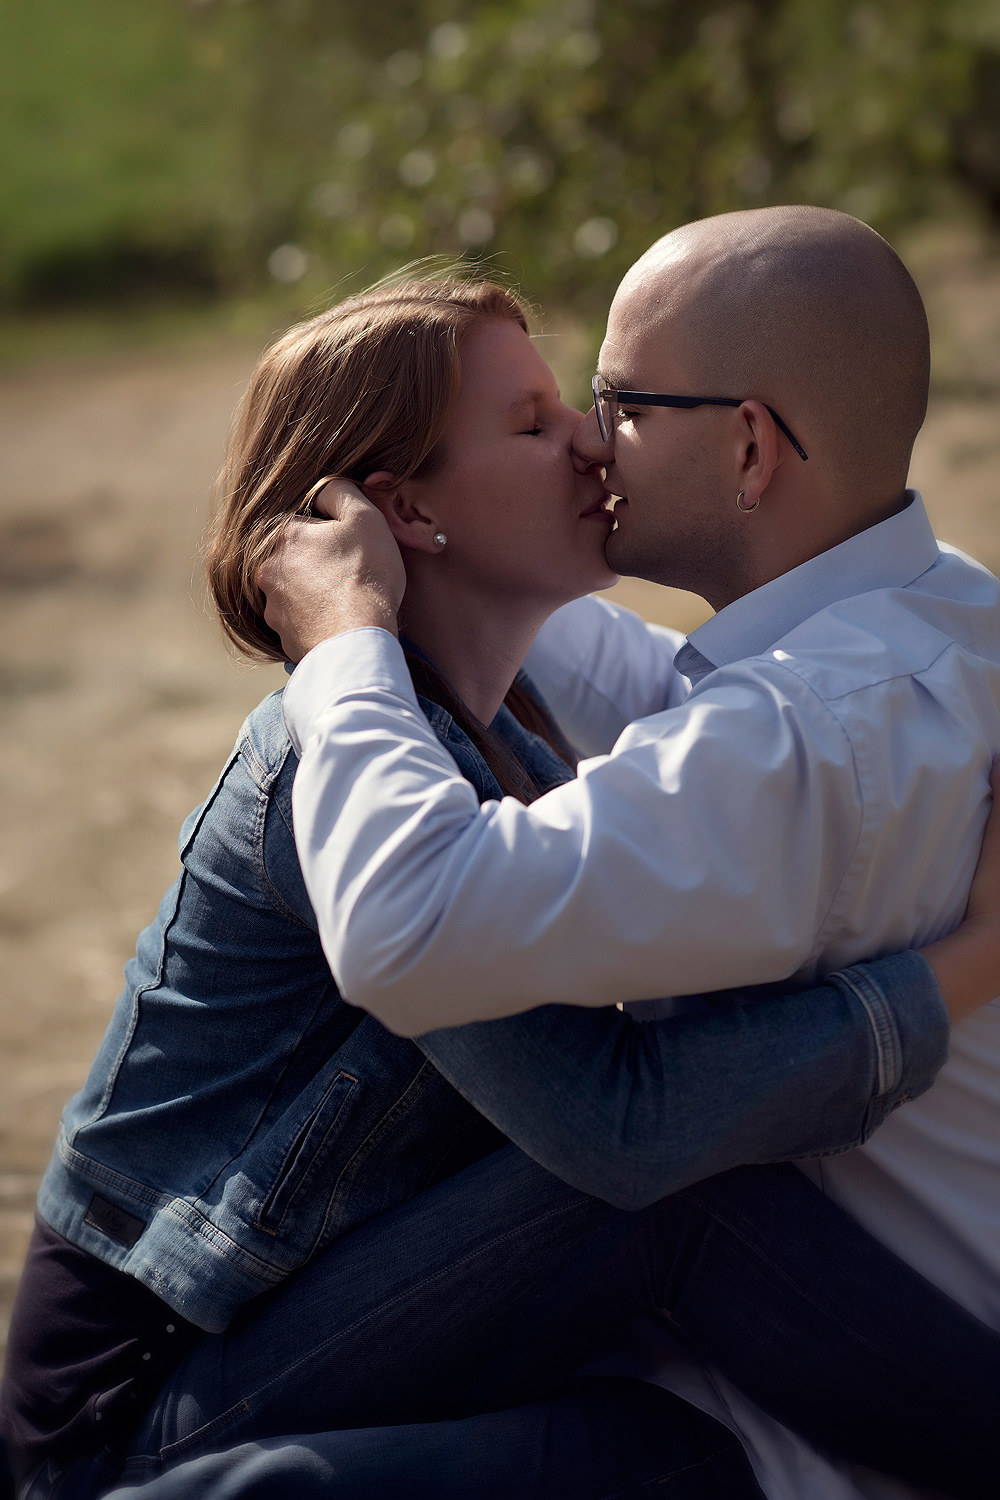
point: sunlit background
(180, 180)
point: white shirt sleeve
(599, 666)
(684, 861)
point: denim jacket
(238, 1115)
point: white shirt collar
(889, 555)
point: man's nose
(588, 445)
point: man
(816, 798)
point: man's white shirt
(802, 785)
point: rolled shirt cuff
(909, 1023)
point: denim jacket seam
(203, 1226)
(129, 1035)
(157, 979)
(333, 1127)
(259, 773)
(884, 1027)
(106, 1176)
(264, 775)
(267, 887)
(265, 784)
(209, 802)
(159, 1202)
(272, 892)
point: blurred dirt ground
(118, 701)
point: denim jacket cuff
(909, 1024)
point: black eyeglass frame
(656, 398)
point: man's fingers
(335, 499)
(299, 541)
(321, 579)
(269, 572)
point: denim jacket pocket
(305, 1157)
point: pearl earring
(439, 538)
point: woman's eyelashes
(532, 426)
(540, 421)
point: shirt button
(97, 1416)
(170, 1328)
(147, 1356)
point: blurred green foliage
(203, 145)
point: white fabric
(600, 667)
(818, 798)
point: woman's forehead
(501, 365)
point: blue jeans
(489, 1291)
(597, 1440)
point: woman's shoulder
(242, 834)
(266, 748)
(264, 743)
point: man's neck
(476, 644)
(796, 539)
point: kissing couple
(562, 1066)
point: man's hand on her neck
(328, 576)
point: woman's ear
(407, 519)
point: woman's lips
(599, 507)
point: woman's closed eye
(532, 419)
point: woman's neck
(476, 644)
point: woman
(239, 1119)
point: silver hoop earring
(439, 538)
(746, 509)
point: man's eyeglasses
(606, 399)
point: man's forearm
(683, 862)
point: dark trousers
(484, 1296)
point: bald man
(799, 785)
(812, 314)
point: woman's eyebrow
(529, 398)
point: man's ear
(407, 519)
(759, 453)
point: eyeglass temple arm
(653, 398)
(789, 434)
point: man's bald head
(805, 309)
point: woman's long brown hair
(368, 385)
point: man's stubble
(682, 539)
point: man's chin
(626, 564)
(622, 557)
